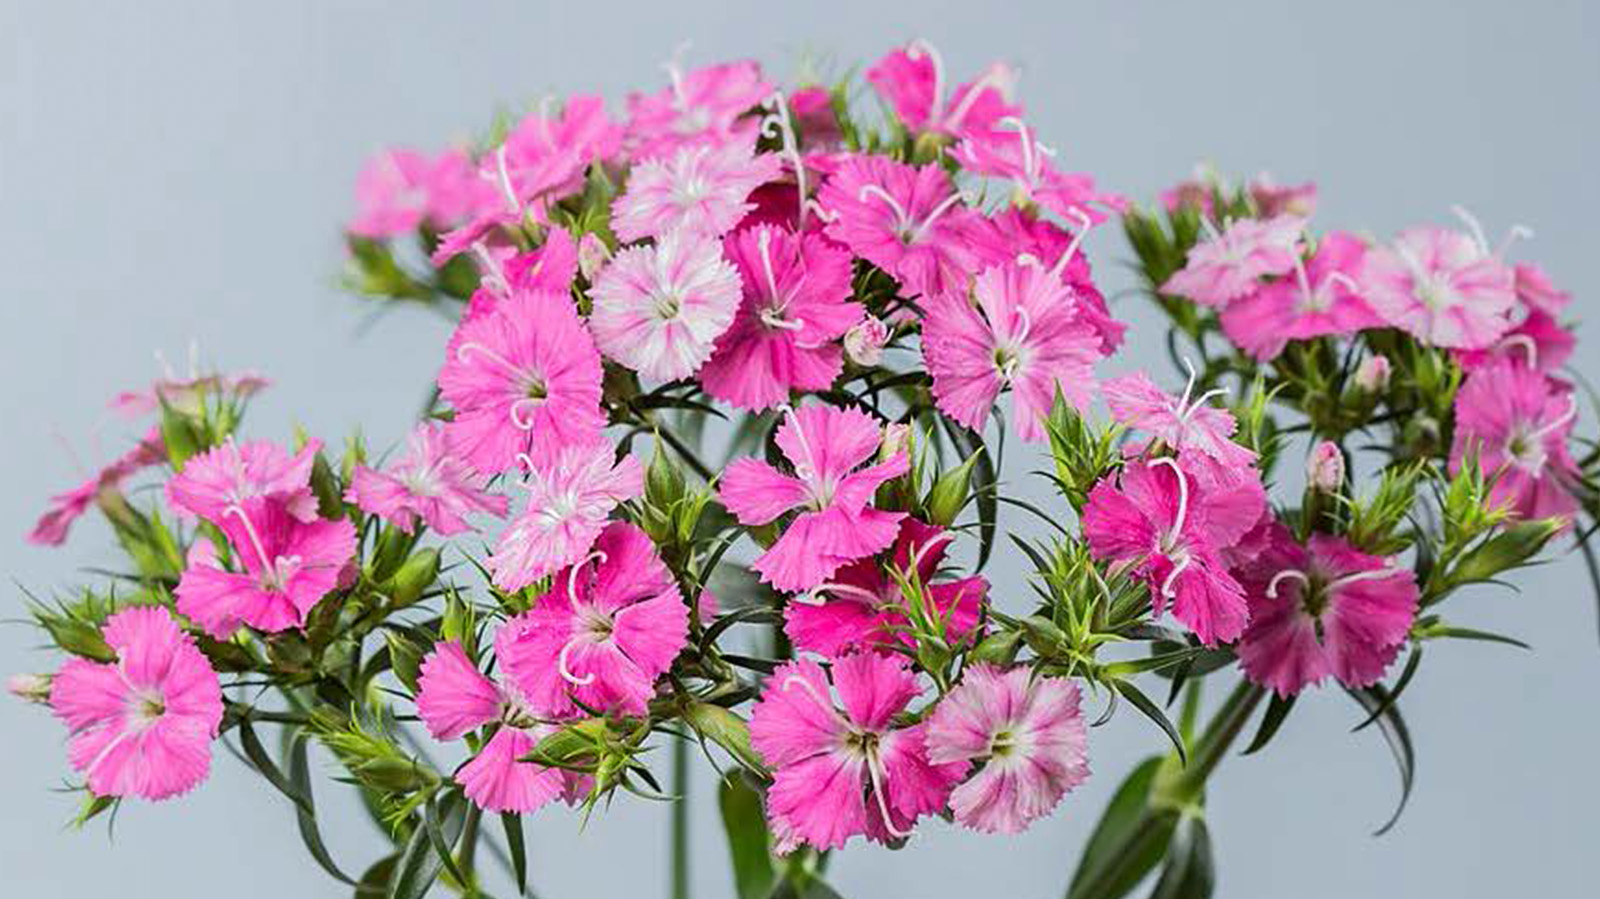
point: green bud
(390, 551)
(727, 730)
(998, 648)
(405, 659)
(330, 499)
(1043, 635)
(78, 637)
(180, 437)
(1511, 548)
(949, 493)
(414, 577)
(663, 481)
(397, 775)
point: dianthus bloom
(1027, 732)
(836, 525)
(569, 498)
(906, 220)
(455, 698)
(523, 379)
(1516, 421)
(608, 627)
(703, 107)
(912, 80)
(187, 395)
(702, 190)
(1025, 332)
(1323, 609)
(843, 772)
(862, 606)
(1156, 519)
(1231, 265)
(142, 725)
(785, 337)
(1014, 152)
(397, 190)
(65, 508)
(1183, 423)
(1322, 299)
(283, 567)
(226, 476)
(660, 309)
(1273, 199)
(427, 484)
(1441, 286)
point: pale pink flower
(399, 190)
(427, 484)
(703, 107)
(609, 626)
(1517, 421)
(1442, 286)
(1231, 264)
(282, 567)
(1025, 332)
(1273, 199)
(861, 606)
(66, 508)
(1323, 609)
(843, 772)
(796, 306)
(1029, 735)
(187, 395)
(702, 190)
(142, 725)
(1373, 374)
(1012, 150)
(1184, 423)
(912, 80)
(569, 498)
(1536, 291)
(1016, 235)
(34, 688)
(524, 378)
(1321, 299)
(864, 342)
(660, 309)
(836, 524)
(226, 476)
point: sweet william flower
(1321, 299)
(142, 725)
(227, 476)
(609, 626)
(795, 308)
(1442, 286)
(1029, 736)
(835, 524)
(1187, 422)
(845, 771)
(428, 484)
(1517, 421)
(398, 190)
(912, 80)
(186, 395)
(660, 309)
(1273, 199)
(1231, 264)
(1012, 150)
(1539, 342)
(569, 499)
(66, 508)
(702, 107)
(702, 190)
(1016, 235)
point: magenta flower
(1539, 341)
(523, 379)
(906, 220)
(1013, 151)
(843, 772)
(1015, 235)
(1231, 265)
(912, 80)
(282, 567)
(1442, 287)
(1025, 332)
(549, 269)
(427, 484)
(66, 508)
(706, 106)
(1536, 291)
(455, 698)
(1027, 732)
(609, 626)
(1272, 199)
(702, 190)
(1322, 299)
(861, 606)
(142, 725)
(1184, 423)
(796, 307)
(569, 498)
(1517, 421)
(836, 526)
(660, 309)
(398, 190)
(1323, 609)
(1155, 521)
(227, 476)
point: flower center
(667, 304)
(146, 707)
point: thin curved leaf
(1127, 843)
(749, 845)
(512, 824)
(300, 778)
(1393, 695)
(1375, 700)
(1189, 872)
(263, 763)
(1277, 710)
(419, 865)
(1152, 711)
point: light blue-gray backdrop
(177, 171)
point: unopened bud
(1373, 375)
(416, 575)
(896, 439)
(1325, 468)
(592, 255)
(30, 687)
(863, 344)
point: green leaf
(1277, 710)
(727, 730)
(1189, 872)
(442, 847)
(512, 824)
(300, 779)
(1375, 700)
(1467, 633)
(257, 754)
(418, 866)
(1152, 711)
(749, 845)
(1400, 685)
(1127, 843)
(374, 881)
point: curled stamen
(773, 318)
(506, 365)
(1526, 343)
(267, 564)
(1374, 574)
(941, 209)
(1169, 587)
(1183, 497)
(764, 244)
(919, 552)
(565, 672)
(517, 409)
(872, 190)
(1474, 226)
(842, 590)
(810, 690)
(493, 276)
(503, 181)
(777, 124)
(1030, 161)
(526, 461)
(1304, 280)
(919, 49)
(1284, 575)
(994, 78)
(1560, 422)
(674, 67)
(1516, 233)
(875, 774)
(1342, 280)
(572, 573)
(822, 212)
(1084, 224)
(1025, 325)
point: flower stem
(1218, 738)
(680, 819)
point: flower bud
(863, 343)
(1373, 375)
(33, 688)
(896, 438)
(416, 575)
(1325, 468)
(592, 255)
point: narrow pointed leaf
(1189, 872)
(300, 778)
(1128, 842)
(749, 846)
(1398, 736)
(1152, 711)
(1277, 710)
(512, 825)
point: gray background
(176, 171)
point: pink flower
(549, 269)
(812, 109)
(1156, 521)
(659, 309)
(1273, 200)
(1016, 235)
(1322, 299)
(1323, 609)
(796, 306)
(702, 190)
(1231, 264)
(1025, 333)
(904, 219)
(607, 629)
(835, 526)
(142, 725)
(187, 396)
(282, 567)
(398, 190)
(1517, 421)
(1536, 291)
(227, 476)
(1013, 151)
(1538, 341)
(843, 772)
(428, 483)
(912, 80)
(1441, 286)
(523, 379)
(862, 606)
(1185, 423)
(703, 107)
(569, 498)
(1027, 732)
(65, 508)
(454, 698)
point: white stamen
(919, 49)
(875, 774)
(1516, 233)
(1474, 226)
(1375, 574)
(933, 216)
(1084, 224)
(674, 67)
(873, 190)
(822, 703)
(1183, 497)
(572, 574)
(840, 590)
(1526, 343)
(1169, 586)
(993, 78)
(1559, 423)
(1284, 575)
(493, 276)
(919, 552)
(503, 181)
(565, 672)
(779, 120)
(1030, 161)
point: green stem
(1218, 738)
(680, 819)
